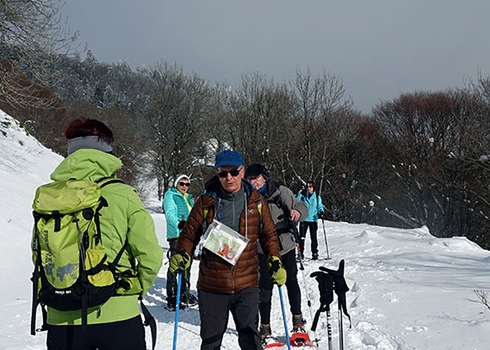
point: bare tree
(176, 115)
(483, 297)
(439, 160)
(261, 121)
(317, 100)
(31, 37)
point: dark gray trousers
(266, 285)
(214, 310)
(122, 335)
(313, 227)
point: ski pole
(177, 307)
(284, 318)
(341, 328)
(329, 330)
(308, 299)
(326, 242)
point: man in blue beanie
(223, 286)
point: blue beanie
(228, 158)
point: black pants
(172, 278)
(266, 285)
(313, 226)
(214, 310)
(123, 335)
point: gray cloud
(380, 48)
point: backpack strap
(35, 300)
(205, 211)
(104, 181)
(149, 321)
(57, 220)
(259, 210)
(113, 264)
(291, 228)
(96, 269)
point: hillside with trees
(419, 159)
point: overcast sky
(379, 48)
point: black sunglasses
(187, 184)
(233, 173)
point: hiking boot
(188, 299)
(265, 332)
(171, 304)
(298, 323)
(300, 256)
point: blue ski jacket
(176, 210)
(314, 204)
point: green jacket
(124, 218)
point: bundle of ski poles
(330, 281)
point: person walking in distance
(314, 203)
(177, 204)
(232, 203)
(286, 211)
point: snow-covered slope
(409, 290)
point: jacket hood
(272, 188)
(86, 164)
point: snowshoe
(299, 339)
(271, 342)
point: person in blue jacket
(177, 204)
(315, 206)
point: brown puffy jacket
(215, 274)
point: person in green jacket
(117, 323)
(177, 204)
